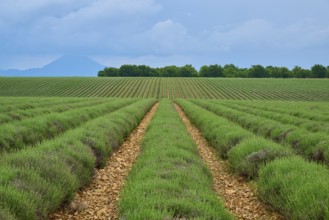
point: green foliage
(257, 71)
(280, 72)
(169, 71)
(296, 188)
(36, 181)
(164, 87)
(5, 214)
(253, 153)
(20, 134)
(169, 180)
(298, 110)
(146, 71)
(306, 144)
(298, 72)
(188, 71)
(215, 70)
(129, 70)
(211, 71)
(245, 152)
(61, 107)
(55, 171)
(231, 71)
(109, 71)
(219, 132)
(302, 141)
(319, 71)
(11, 104)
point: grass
(313, 126)
(20, 134)
(300, 109)
(169, 180)
(296, 188)
(5, 215)
(66, 105)
(53, 147)
(37, 181)
(141, 87)
(308, 144)
(245, 152)
(250, 155)
(25, 103)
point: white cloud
(86, 24)
(210, 30)
(255, 34)
(305, 35)
(21, 11)
(166, 37)
(250, 33)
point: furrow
(239, 197)
(99, 200)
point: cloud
(165, 37)
(306, 35)
(247, 34)
(262, 34)
(157, 29)
(25, 12)
(25, 61)
(91, 25)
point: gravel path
(238, 197)
(99, 200)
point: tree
(211, 71)
(285, 72)
(170, 71)
(109, 71)
(271, 72)
(230, 70)
(101, 73)
(126, 70)
(145, 71)
(188, 71)
(257, 71)
(319, 71)
(278, 72)
(299, 72)
(204, 71)
(216, 71)
(242, 72)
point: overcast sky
(165, 32)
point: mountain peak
(68, 65)
(73, 66)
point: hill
(64, 66)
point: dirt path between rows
(99, 200)
(238, 197)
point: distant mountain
(64, 66)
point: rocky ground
(238, 196)
(100, 199)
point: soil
(100, 199)
(239, 198)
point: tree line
(228, 71)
